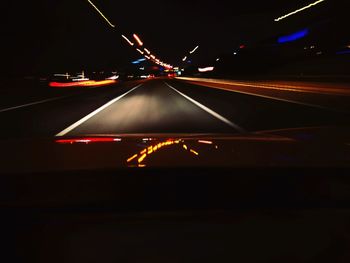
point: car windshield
(105, 68)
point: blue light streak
(293, 37)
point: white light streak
(194, 50)
(207, 69)
(80, 79)
(104, 17)
(130, 43)
(185, 58)
(299, 10)
(140, 51)
(113, 77)
(147, 51)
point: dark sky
(70, 35)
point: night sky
(64, 35)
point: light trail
(194, 50)
(104, 17)
(140, 51)
(299, 10)
(127, 40)
(207, 69)
(138, 40)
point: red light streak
(87, 140)
(88, 83)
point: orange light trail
(194, 152)
(151, 149)
(138, 40)
(205, 142)
(143, 157)
(132, 158)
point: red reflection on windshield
(87, 140)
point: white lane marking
(31, 103)
(272, 98)
(211, 112)
(87, 117)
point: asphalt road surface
(160, 106)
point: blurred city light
(105, 18)
(130, 43)
(147, 51)
(299, 10)
(185, 58)
(138, 40)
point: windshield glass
(105, 68)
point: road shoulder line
(32, 103)
(89, 116)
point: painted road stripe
(89, 116)
(31, 104)
(211, 112)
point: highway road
(161, 106)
